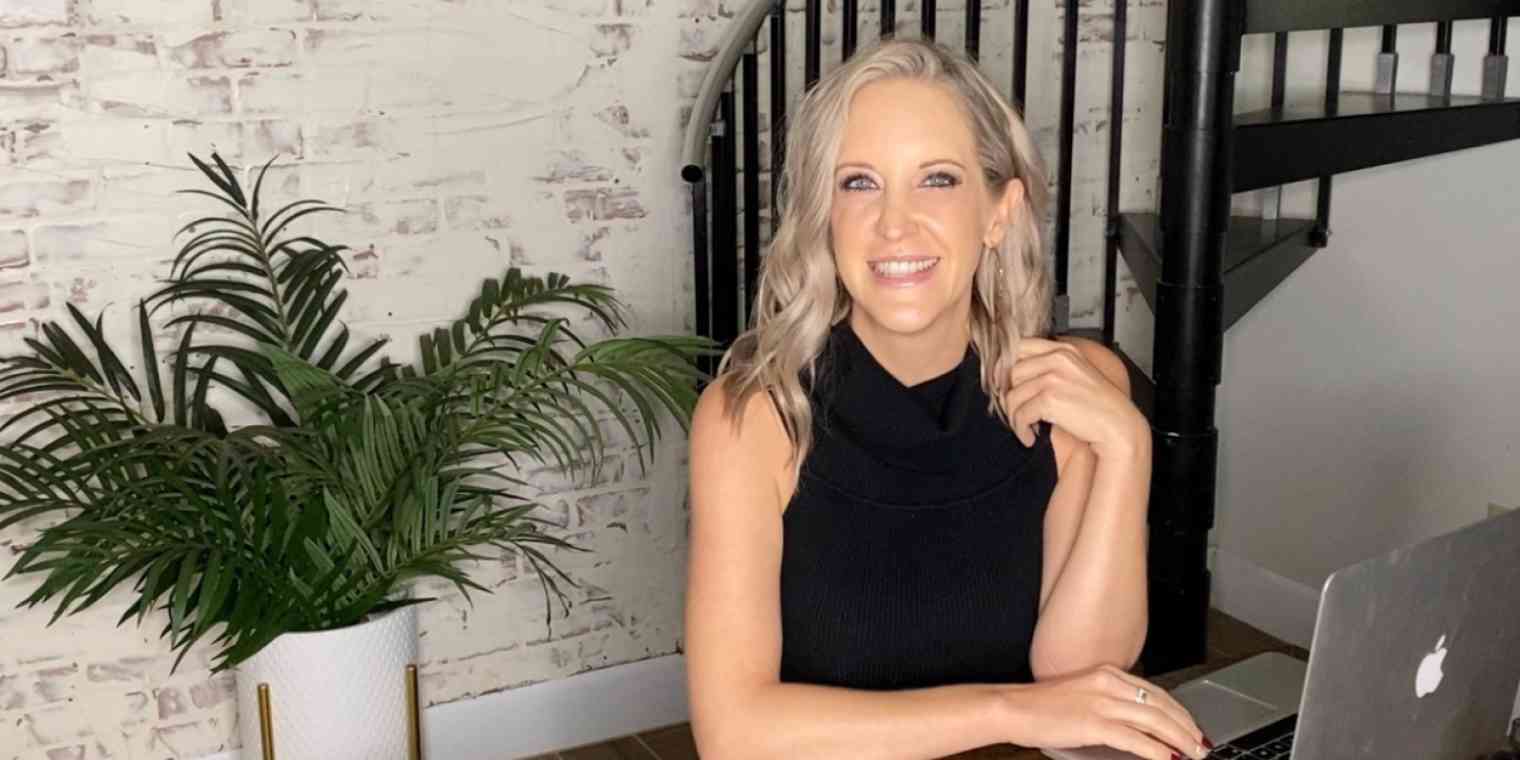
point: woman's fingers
(1161, 699)
(1134, 741)
(1158, 724)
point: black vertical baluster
(1443, 36)
(725, 263)
(1279, 70)
(1068, 127)
(1496, 64)
(1271, 198)
(1020, 53)
(888, 18)
(974, 29)
(1320, 235)
(812, 28)
(926, 18)
(751, 74)
(1387, 82)
(1442, 64)
(1115, 155)
(851, 31)
(700, 267)
(778, 106)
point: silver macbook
(1416, 654)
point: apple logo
(1428, 678)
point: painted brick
(236, 12)
(570, 165)
(135, 141)
(156, 13)
(610, 40)
(413, 217)
(14, 252)
(602, 204)
(22, 13)
(39, 100)
(143, 238)
(43, 57)
(202, 138)
(600, 508)
(475, 212)
(264, 47)
(584, 8)
(18, 298)
(162, 94)
(119, 53)
(263, 140)
(28, 199)
(333, 91)
(359, 139)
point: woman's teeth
(901, 268)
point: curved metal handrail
(741, 32)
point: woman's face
(911, 210)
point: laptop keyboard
(1271, 742)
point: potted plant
(292, 541)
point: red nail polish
(1207, 743)
(1176, 756)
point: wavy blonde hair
(799, 296)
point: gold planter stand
(413, 719)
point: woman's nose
(896, 219)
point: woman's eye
(943, 179)
(850, 182)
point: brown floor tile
(672, 742)
(626, 748)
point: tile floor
(1230, 640)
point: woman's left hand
(1055, 382)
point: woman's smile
(904, 272)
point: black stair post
(1203, 54)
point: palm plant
(362, 475)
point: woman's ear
(1006, 212)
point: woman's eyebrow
(924, 165)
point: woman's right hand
(1098, 707)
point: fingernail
(1176, 756)
(1208, 743)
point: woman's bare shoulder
(750, 443)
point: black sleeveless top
(913, 544)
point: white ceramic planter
(335, 694)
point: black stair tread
(1259, 256)
(1278, 146)
(1249, 236)
(1356, 103)
(1141, 389)
(1294, 15)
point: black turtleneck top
(913, 544)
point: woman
(918, 527)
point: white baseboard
(582, 709)
(1253, 594)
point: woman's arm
(739, 708)
(1093, 602)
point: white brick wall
(462, 136)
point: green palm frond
(361, 477)
(268, 287)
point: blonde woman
(918, 523)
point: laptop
(1415, 654)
